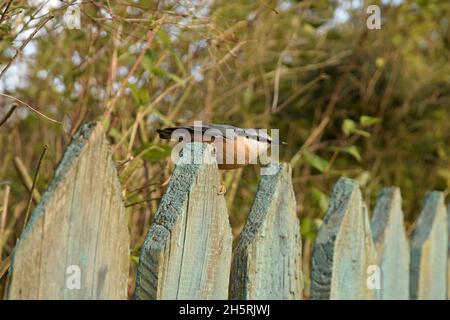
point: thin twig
(276, 82)
(30, 107)
(4, 209)
(141, 201)
(9, 114)
(25, 177)
(175, 86)
(3, 218)
(112, 102)
(4, 266)
(143, 187)
(33, 186)
(318, 131)
(301, 90)
(5, 11)
(24, 44)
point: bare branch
(24, 44)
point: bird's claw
(222, 189)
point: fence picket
(187, 251)
(429, 250)
(391, 244)
(78, 234)
(267, 259)
(343, 249)
(76, 244)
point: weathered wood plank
(343, 249)
(267, 259)
(391, 244)
(78, 228)
(429, 250)
(187, 251)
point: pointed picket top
(187, 251)
(391, 244)
(429, 250)
(343, 251)
(76, 244)
(267, 259)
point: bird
(235, 147)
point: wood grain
(80, 221)
(391, 244)
(428, 276)
(187, 252)
(343, 249)
(267, 259)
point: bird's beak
(278, 143)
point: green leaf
(133, 166)
(316, 162)
(308, 228)
(162, 73)
(144, 96)
(163, 118)
(179, 64)
(5, 44)
(140, 95)
(115, 134)
(320, 198)
(363, 133)
(134, 259)
(153, 152)
(349, 126)
(164, 37)
(248, 96)
(126, 56)
(353, 151)
(158, 72)
(134, 90)
(6, 28)
(148, 61)
(175, 78)
(380, 62)
(366, 121)
(147, 64)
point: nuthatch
(235, 147)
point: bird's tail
(165, 133)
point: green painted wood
(429, 250)
(391, 244)
(343, 249)
(267, 258)
(187, 251)
(78, 228)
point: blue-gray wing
(218, 130)
(222, 130)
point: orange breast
(231, 154)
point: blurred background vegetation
(373, 105)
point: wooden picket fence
(81, 223)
